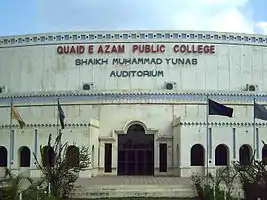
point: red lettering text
(147, 48)
(90, 49)
(135, 48)
(111, 49)
(189, 48)
(74, 49)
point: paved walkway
(133, 186)
(132, 180)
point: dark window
(93, 156)
(162, 157)
(25, 157)
(245, 154)
(48, 156)
(221, 155)
(197, 155)
(3, 157)
(108, 157)
(264, 154)
(73, 156)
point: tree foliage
(253, 178)
(59, 174)
(11, 185)
(209, 186)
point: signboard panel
(132, 65)
(136, 54)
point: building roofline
(130, 36)
(131, 31)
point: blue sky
(38, 16)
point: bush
(253, 177)
(219, 193)
(205, 185)
(11, 186)
(61, 175)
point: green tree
(11, 185)
(59, 174)
(253, 178)
(206, 184)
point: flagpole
(58, 130)
(57, 118)
(61, 117)
(10, 134)
(254, 128)
(207, 137)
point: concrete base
(133, 186)
(138, 186)
(137, 191)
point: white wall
(30, 67)
(37, 67)
(155, 117)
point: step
(134, 187)
(147, 191)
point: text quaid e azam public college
(135, 50)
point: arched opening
(197, 155)
(3, 156)
(264, 154)
(48, 156)
(93, 156)
(25, 156)
(73, 156)
(245, 154)
(136, 152)
(221, 155)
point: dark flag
(260, 112)
(61, 115)
(219, 109)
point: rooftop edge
(133, 31)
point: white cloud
(213, 15)
(263, 27)
(232, 20)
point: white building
(137, 99)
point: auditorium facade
(137, 99)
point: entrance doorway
(136, 152)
